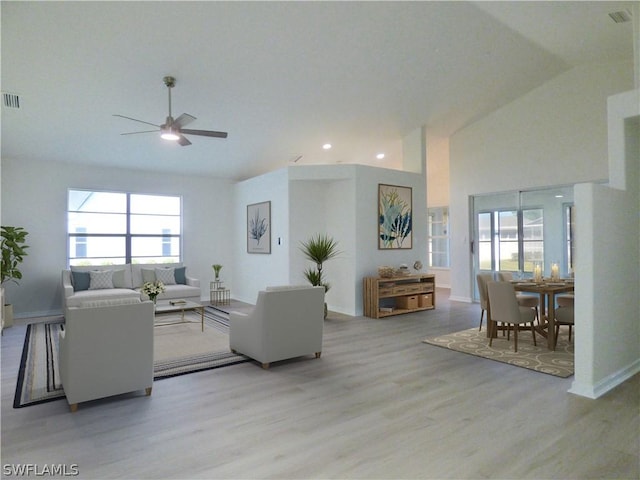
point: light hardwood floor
(379, 403)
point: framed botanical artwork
(395, 217)
(259, 228)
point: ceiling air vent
(621, 17)
(10, 100)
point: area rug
(538, 358)
(179, 349)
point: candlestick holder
(537, 272)
(555, 272)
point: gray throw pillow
(80, 281)
(180, 275)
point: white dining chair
(482, 279)
(505, 309)
(524, 300)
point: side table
(218, 294)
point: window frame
(496, 241)
(128, 236)
(438, 212)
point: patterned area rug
(538, 358)
(179, 349)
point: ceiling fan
(172, 129)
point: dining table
(547, 289)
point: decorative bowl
(386, 272)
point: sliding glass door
(513, 231)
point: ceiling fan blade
(135, 133)
(183, 120)
(136, 120)
(204, 133)
(183, 141)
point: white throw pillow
(166, 275)
(119, 280)
(148, 275)
(100, 279)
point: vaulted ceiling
(282, 78)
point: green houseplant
(319, 249)
(13, 249)
(216, 269)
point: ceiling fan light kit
(168, 133)
(172, 129)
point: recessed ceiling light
(326, 146)
(380, 156)
(559, 196)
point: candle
(555, 273)
(537, 273)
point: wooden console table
(384, 297)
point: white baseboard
(606, 384)
(44, 313)
(455, 298)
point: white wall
(253, 272)
(437, 171)
(556, 134)
(34, 196)
(438, 189)
(369, 257)
(340, 200)
(322, 201)
(608, 261)
(344, 198)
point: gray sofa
(83, 284)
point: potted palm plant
(13, 250)
(319, 249)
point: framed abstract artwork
(395, 217)
(259, 228)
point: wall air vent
(10, 100)
(621, 16)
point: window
(532, 238)
(438, 241)
(81, 243)
(510, 240)
(112, 228)
(570, 218)
(485, 240)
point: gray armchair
(286, 322)
(106, 350)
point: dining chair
(565, 299)
(505, 309)
(482, 279)
(564, 312)
(524, 300)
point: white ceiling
(282, 78)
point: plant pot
(7, 315)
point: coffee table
(166, 307)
